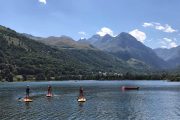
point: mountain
(32, 37)
(62, 42)
(167, 54)
(94, 39)
(127, 47)
(172, 56)
(20, 55)
(65, 42)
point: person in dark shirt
(27, 91)
(49, 90)
(81, 92)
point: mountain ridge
(20, 55)
(125, 46)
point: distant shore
(94, 80)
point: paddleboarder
(27, 91)
(49, 90)
(81, 92)
(81, 97)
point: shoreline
(88, 80)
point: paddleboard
(82, 99)
(49, 95)
(27, 100)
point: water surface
(156, 100)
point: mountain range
(42, 58)
(126, 47)
(65, 42)
(24, 54)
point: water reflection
(81, 104)
(27, 105)
(49, 99)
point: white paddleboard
(27, 100)
(49, 95)
(82, 99)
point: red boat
(129, 88)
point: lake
(155, 100)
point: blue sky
(156, 23)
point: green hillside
(24, 58)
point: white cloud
(147, 24)
(173, 44)
(82, 34)
(167, 39)
(168, 43)
(105, 31)
(159, 27)
(139, 35)
(165, 28)
(43, 1)
(169, 29)
(163, 46)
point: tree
(40, 77)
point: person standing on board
(27, 91)
(49, 90)
(81, 92)
(81, 97)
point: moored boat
(129, 88)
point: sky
(155, 23)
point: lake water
(156, 100)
